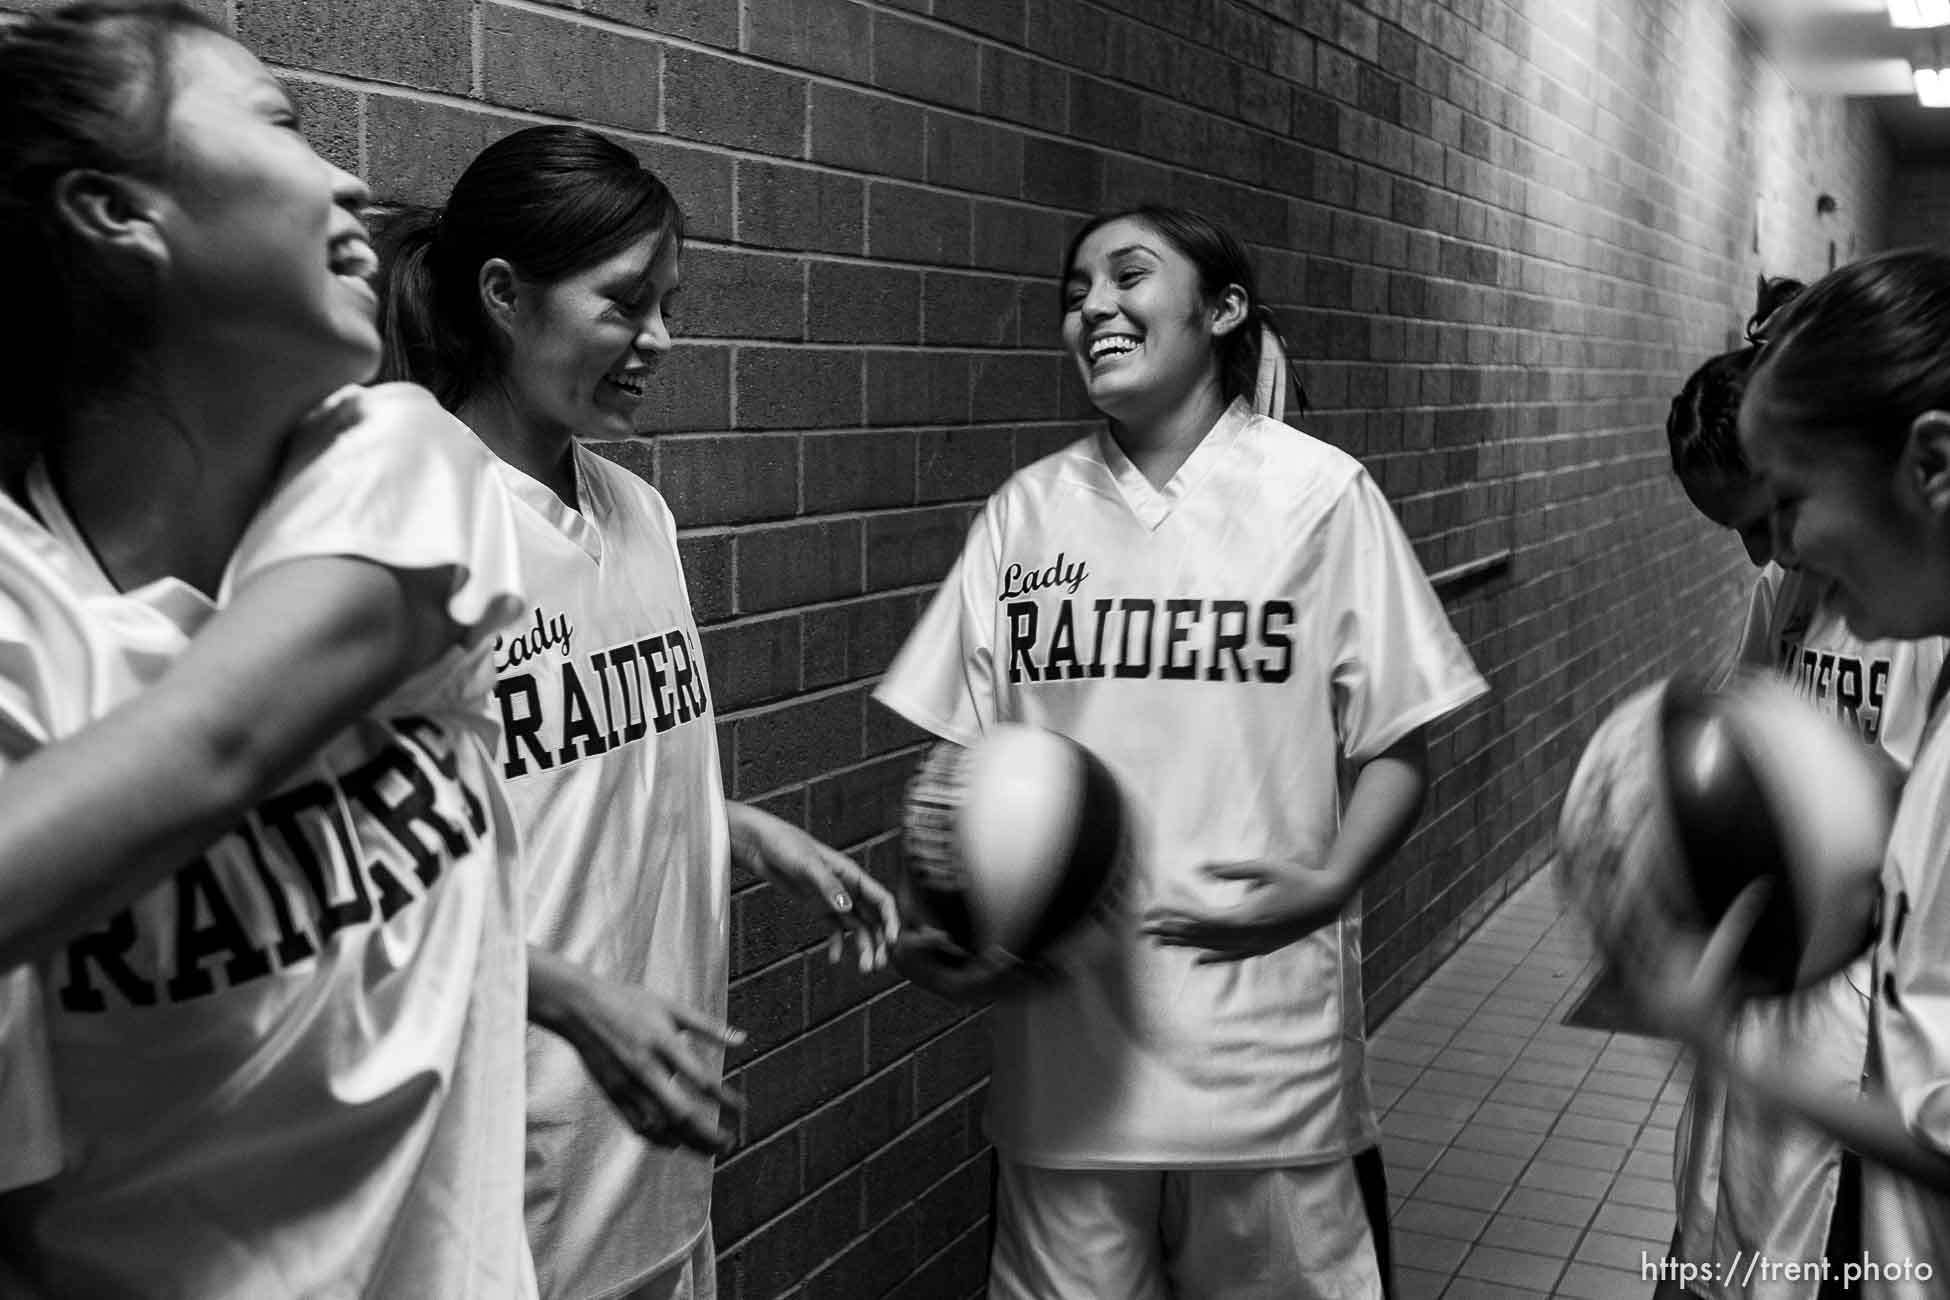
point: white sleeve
(943, 679)
(385, 474)
(52, 661)
(1396, 663)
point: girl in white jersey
(251, 840)
(534, 304)
(1750, 1180)
(1225, 610)
(1847, 420)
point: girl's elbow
(226, 770)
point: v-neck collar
(579, 526)
(1153, 505)
(176, 599)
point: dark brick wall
(1499, 232)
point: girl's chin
(1111, 394)
(608, 424)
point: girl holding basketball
(1750, 1180)
(1847, 420)
(1187, 1113)
(251, 841)
(535, 305)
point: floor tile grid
(1525, 1158)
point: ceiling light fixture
(1919, 13)
(1932, 87)
(1931, 74)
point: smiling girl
(1747, 1178)
(535, 305)
(251, 838)
(1189, 1114)
(1847, 420)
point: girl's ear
(1230, 311)
(113, 213)
(500, 291)
(1927, 458)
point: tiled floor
(1526, 1159)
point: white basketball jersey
(43, 629)
(1903, 1222)
(1751, 1178)
(1222, 644)
(294, 1068)
(1881, 688)
(610, 760)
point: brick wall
(1500, 232)
(1919, 204)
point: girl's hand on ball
(823, 878)
(639, 1050)
(1690, 987)
(1284, 902)
(929, 958)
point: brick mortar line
(491, 108)
(612, 26)
(867, 1231)
(880, 995)
(815, 78)
(818, 695)
(451, 99)
(862, 515)
(485, 106)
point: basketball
(1016, 842)
(1685, 796)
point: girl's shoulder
(1282, 448)
(1076, 465)
(622, 489)
(392, 422)
(385, 474)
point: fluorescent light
(1919, 13)
(1933, 87)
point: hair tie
(1269, 391)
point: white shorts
(1752, 1179)
(692, 1277)
(1298, 1233)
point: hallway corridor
(1526, 1158)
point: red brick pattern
(1498, 231)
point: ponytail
(1254, 365)
(440, 344)
(1702, 425)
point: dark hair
(1702, 427)
(1221, 260)
(550, 201)
(85, 87)
(1864, 351)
